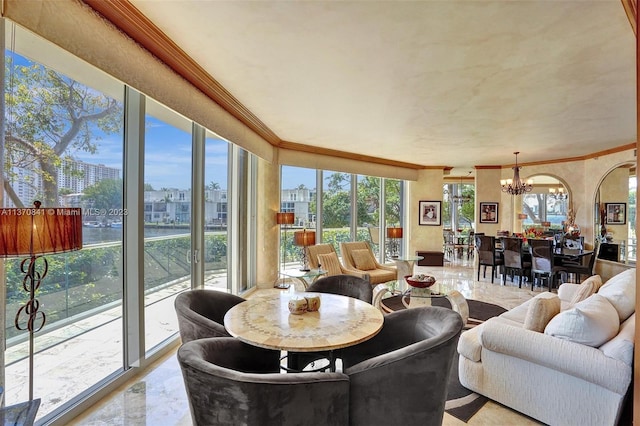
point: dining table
(265, 321)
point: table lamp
(303, 239)
(34, 232)
(284, 218)
(394, 234)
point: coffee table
(414, 297)
(404, 265)
(303, 277)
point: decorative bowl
(420, 281)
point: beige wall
(488, 191)
(268, 202)
(428, 187)
(581, 178)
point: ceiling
(430, 83)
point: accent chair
(228, 385)
(357, 255)
(401, 375)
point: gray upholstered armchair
(345, 285)
(225, 387)
(400, 376)
(201, 313)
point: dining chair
(543, 262)
(448, 243)
(344, 285)
(401, 375)
(583, 266)
(488, 255)
(514, 260)
(228, 385)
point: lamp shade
(394, 232)
(283, 218)
(304, 238)
(40, 231)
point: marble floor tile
(158, 397)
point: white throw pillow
(620, 290)
(621, 346)
(591, 322)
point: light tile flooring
(158, 397)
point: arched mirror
(615, 213)
(545, 207)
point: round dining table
(265, 321)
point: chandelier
(516, 186)
(459, 199)
(558, 193)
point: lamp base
(282, 286)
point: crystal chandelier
(516, 186)
(558, 193)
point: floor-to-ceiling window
(216, 220)
(167, 230)
(63, 145)
(298, 196)
(367, 204)
(368, 211)
(336, 208)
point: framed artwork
(616, 213)
(429, 213)
(488, 212)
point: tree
(214, 186)
(105, 195)
(49, 117)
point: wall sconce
(303, 239)
(284, 218)
(394, 234)
(34, 232)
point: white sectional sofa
(563, 359)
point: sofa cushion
(621, 346)
(363, 260)
(620, 290)
(330, 263)
(540, 312)
(519, 313)
(591, 322)
(587, 288)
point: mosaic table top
(340, 322)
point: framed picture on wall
(616, 213)
(429, 213)
(488, 212)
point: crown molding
(124, 16)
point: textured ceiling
(433, 83)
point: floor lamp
(34, 232)
(303, 239)
(285, 219)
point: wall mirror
(615, 214)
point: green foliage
(105, 194)
(50, 116)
